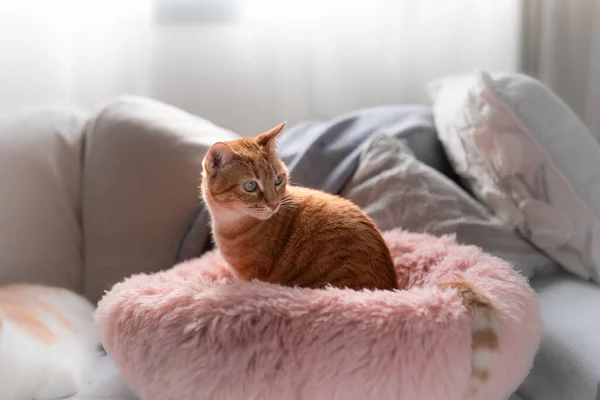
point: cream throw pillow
(529, 158)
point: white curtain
(280, 60)
(67, 51)
(561, 47)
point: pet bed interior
(194, 332)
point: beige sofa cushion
(40, 174)
(141, 174)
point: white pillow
(529, 158)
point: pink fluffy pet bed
(193, 332)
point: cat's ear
(218, 155)
(268, 139)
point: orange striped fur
(484, 335)
(23, 306)
(286, 234)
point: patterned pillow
(528, 157)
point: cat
(484, 334)
(47, 342)
(270, 230)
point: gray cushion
(396, 189)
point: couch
(89, 198)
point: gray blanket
(324, 155)
(397, 190)
(333, 156)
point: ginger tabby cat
(270, 230)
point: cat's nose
(273, 206)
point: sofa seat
(567, 366)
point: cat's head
(245, 177)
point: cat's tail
(484, 334)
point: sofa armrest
(40, 174)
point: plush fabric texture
(193, 332)
(396, 189)
(142, 167)
(40, 185)
(529, 158)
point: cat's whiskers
(287, 200)
(286, 206)
(285, 211)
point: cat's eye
(279, 180)
(250, 186)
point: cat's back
(331, 240)
(317, 206)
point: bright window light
(296, 13)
